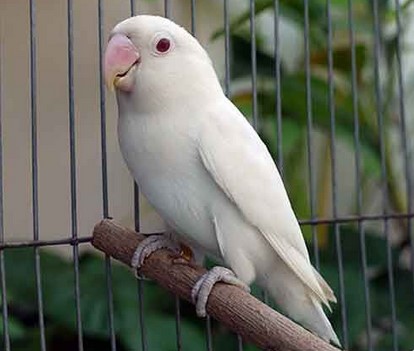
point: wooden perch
(236, 309)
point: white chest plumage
(171, 176)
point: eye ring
(162, 44)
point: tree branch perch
(233, 307)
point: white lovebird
(202, 166)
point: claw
(202, 288)
(186, 253)
(149, 245)
(185, 256)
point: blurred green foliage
(57, 275)
(293, 92)
(294, 146)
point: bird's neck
(172, 96)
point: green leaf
(294, 108)
(376, 250)
(21, 290)
(260, 6)
(292, 9)
(241, 66)
(16, 329)
(60, 304)
(404, 307)
(342, 58)
(292, 133)
(354, 296)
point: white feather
(242, 166)
(208, 174)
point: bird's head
(151, 55)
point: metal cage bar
(73, 179)
(332, 144)
(3, 287)
(104, 174)
(384, 187)
(403, 132)
(253, 56)
(137, 220)
(336, 220)
(34, 161)
(278, 98)
(309, 128)
(303, 222)
(140, 282)
(227, 48)
(355, 116)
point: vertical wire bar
(384, 187)
(4, 310)
(178, 338)
(167, 8)
(358, 191)
(209, 339)
(140, 288)
(403, 131)
(227, 78)
(332, 117)
(239, 343)
(226, 48)
(140, 282)
(177, 299)
(193, 17)
(34, 158)
(137, 219)
(73, 180)
(178, 323)
(253, 55)
(278, 102)
(309, 129)
(253, 61)
(104, 170)
(5, 315)
(102, 110)
(132, 7)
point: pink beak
(121, 59)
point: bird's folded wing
(242, 167)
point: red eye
(163, 45)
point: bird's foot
(149, 245)
(202, 288)
(184, 256)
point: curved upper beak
(120, 61)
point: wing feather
(241, 165)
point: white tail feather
(300, 304)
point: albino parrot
(202, 166)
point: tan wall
(52, 113)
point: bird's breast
(164, 161)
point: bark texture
(241, 312)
